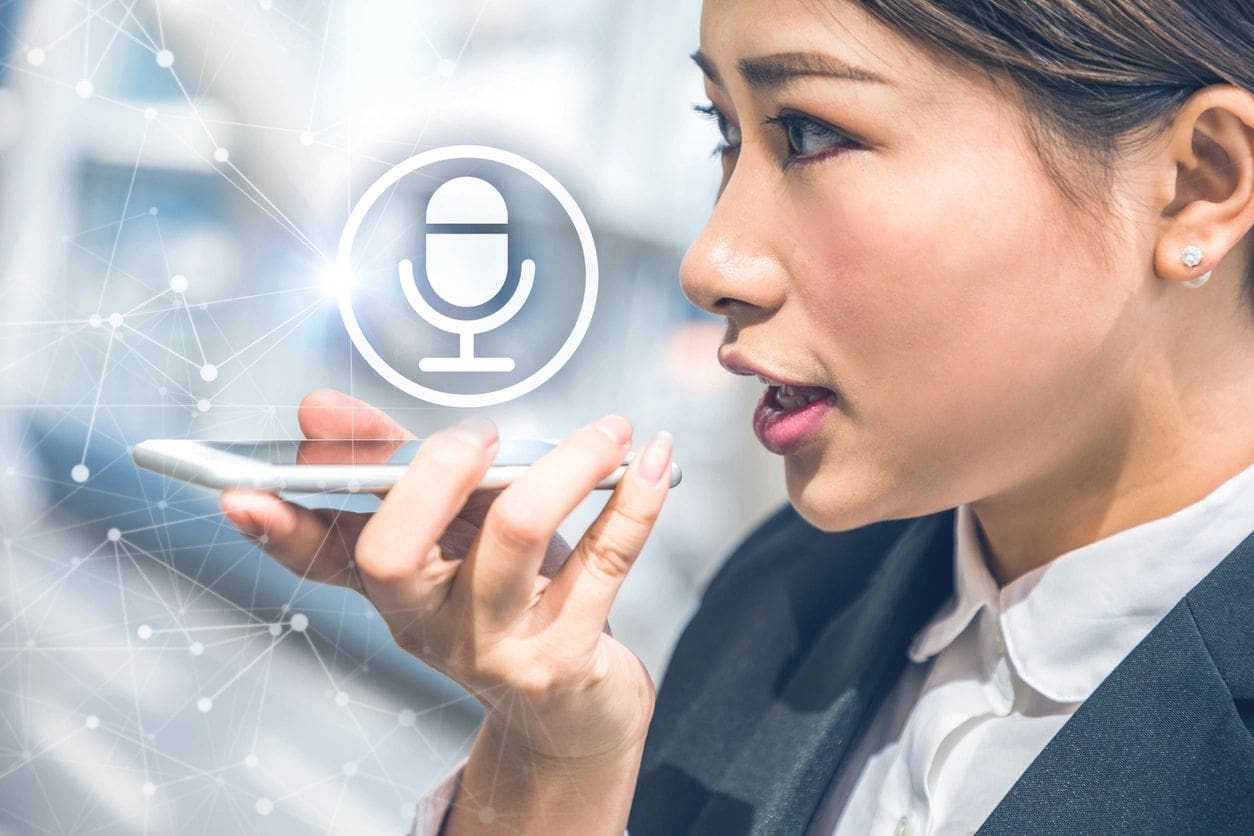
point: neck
(1169, 450)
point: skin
(991, 343)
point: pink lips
(783, 430)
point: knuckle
(536, 682)
(637, 517)
(377, 560)
(609, 557)
(514, 525)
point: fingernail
(616, 428)
(656, 458)
(478, 431)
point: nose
(732, 269)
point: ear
(1207, 187)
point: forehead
(732, 30)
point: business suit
(802, 633)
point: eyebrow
(772, 71)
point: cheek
(949, 306)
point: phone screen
(512, 452)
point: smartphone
(326, 466)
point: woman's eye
(729, 132)
(809, 139)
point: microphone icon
(467, 269)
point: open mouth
(788, 398)
(788, 415)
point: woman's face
(893, 236)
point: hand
(477, 584)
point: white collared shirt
(997, 672)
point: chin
(834, 498)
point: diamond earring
(1192, 256)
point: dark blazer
(801, 634)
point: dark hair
(1091, 72)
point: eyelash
(788, 121)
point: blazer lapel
(1164, 744)
(776, 676)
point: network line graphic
(173, 173)
(175, 176)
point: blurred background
(174, 177)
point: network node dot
(75, 561)
(266, 5)
(162, 505)
(35, 56)
(148, 788)
(161, 390)
(250, 761)
(263, 539)
(487, 815)
(349, 769)
(85, 88)
(115, 319)
(144, 632)
(153, 210)
(165, 58)
(94, 320)
(115, 534)
(203, 404)
(306, 138)
(221, 154)
(178, 283)
(196, 648)
(341, 699)
(92, 721)
(300, 622)
(79, 473)
(264, 806)
(274, 629)
(406, 717)
(150, 113)
(445, 67)
(208, 372)
(204, 705)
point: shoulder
(785, 547)
(772, 596)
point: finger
(330, 414)
(405, 530)
(584, 589)
(317, 545)
(498, 578)
(359, 451)
(327, 413)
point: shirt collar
(1068, 624)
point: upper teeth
(768, 381)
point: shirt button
(903, 826)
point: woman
(993, 261)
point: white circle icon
(484, 198)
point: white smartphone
(325, 466)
